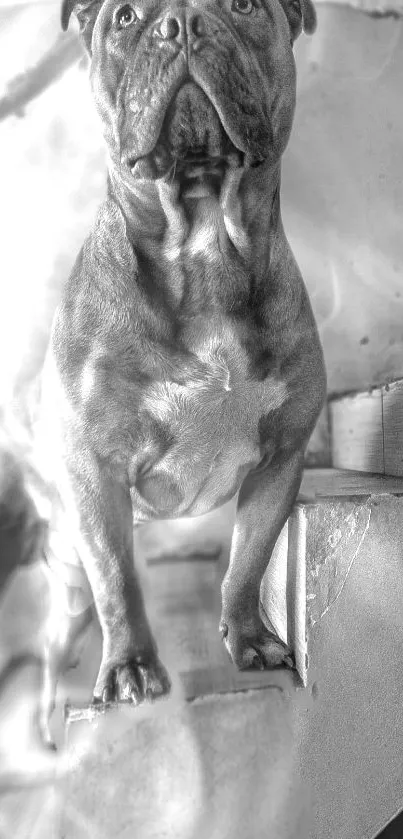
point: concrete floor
(322, 762)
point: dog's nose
(182, 27)
(195, 26)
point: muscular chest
(187, 435)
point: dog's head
(182, 83)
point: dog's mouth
(196, 172)
(199, 173)
(193, 148)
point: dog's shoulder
(105, 271)
(107, 258)
(108, 246)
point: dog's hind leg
(70, 614)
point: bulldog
(184, 366)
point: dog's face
(179, 83)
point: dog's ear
(301, 15)
(86, 12)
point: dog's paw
(252, 645)
(132, 681)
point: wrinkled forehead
(156, 7)
(150, 10)
(300, 14)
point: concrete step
(316, 549)
(255, 754)
(184, 563)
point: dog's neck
(226, 238)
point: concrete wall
(343, 191)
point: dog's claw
(134, 683)
(106, 695)
(223, 630)
(155, 681)
(255, 648)
(257, 662)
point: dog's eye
(243, 7)
(125, 16)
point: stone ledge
(367, 430)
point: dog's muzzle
(201, 102)
(193, 146)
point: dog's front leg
(265, 501)
(130, 668)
